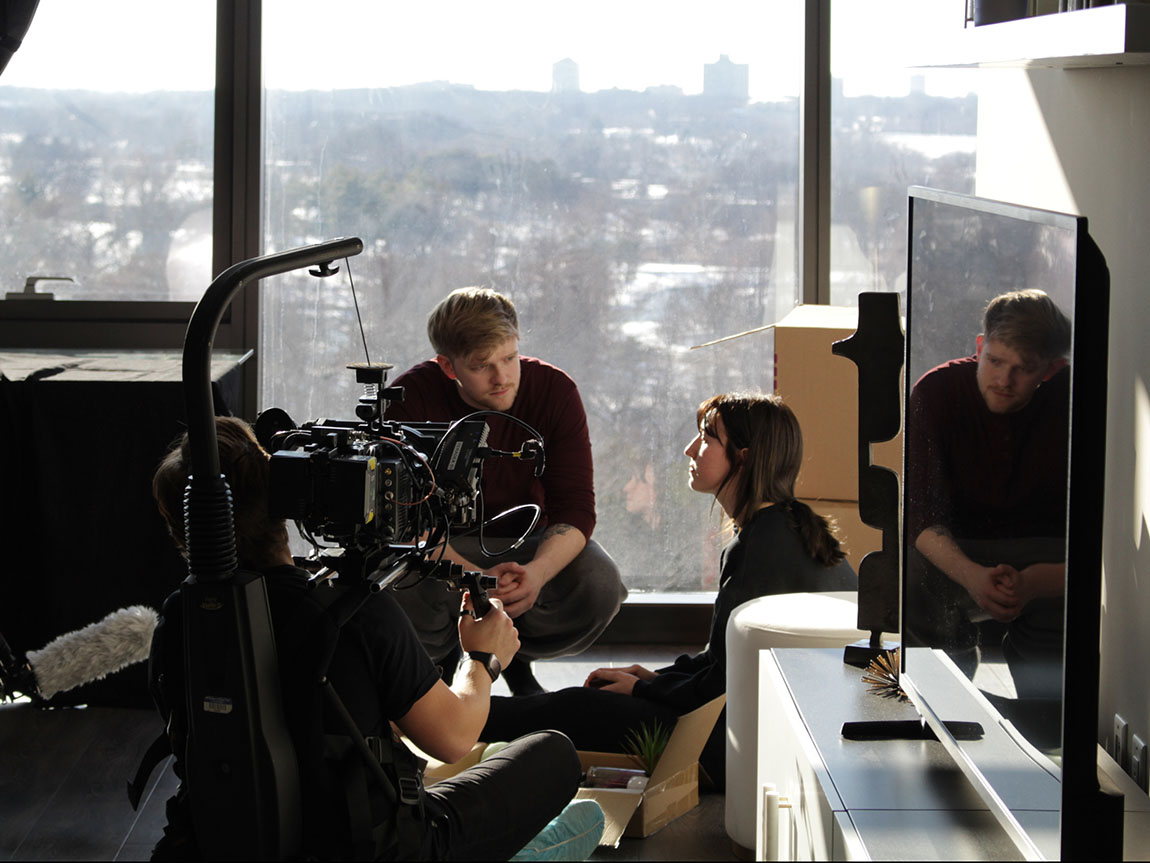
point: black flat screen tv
(1003, 498)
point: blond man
(560, 587)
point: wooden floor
(63, 776)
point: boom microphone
(122, 638)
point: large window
(892, 126)
(627, 173)
(106, 151)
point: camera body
(389, 494)
(364, 485)
(386, 493)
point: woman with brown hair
(747, 455)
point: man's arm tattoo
(555, 529)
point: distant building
(565, 76)
(727, 81)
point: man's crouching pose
(560, 586)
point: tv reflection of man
(986, 480)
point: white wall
(1078, 141)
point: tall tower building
(727, 81)
(565, 76)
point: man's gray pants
(571, 612)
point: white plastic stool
(782, 620)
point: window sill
(662, 618)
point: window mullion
(815, 155)
(236, 211)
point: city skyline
(505, 45)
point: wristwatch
(489, 661)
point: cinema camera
(388, 494)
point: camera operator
(561, 587)
(383, 675)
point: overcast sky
(493, 45)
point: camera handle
(474, 582)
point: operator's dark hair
(244, 463)
(1029, 322)
(769, 432)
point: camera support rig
(373, 403)
(241, 765)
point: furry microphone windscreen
(120, 639)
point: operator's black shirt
(379, 669)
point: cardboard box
(822, 389)
(674, 785)
(858, 538)
(672, 790)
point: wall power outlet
(1121, 743)
(1138, 766)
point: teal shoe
(573, 834)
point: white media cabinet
(894, 799)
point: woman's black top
(765, 557)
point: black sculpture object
(877, 349)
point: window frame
(121, 325)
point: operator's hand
(994, 591)
(620, 680)
(519, 586)
(493, 633)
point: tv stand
(893, 799)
